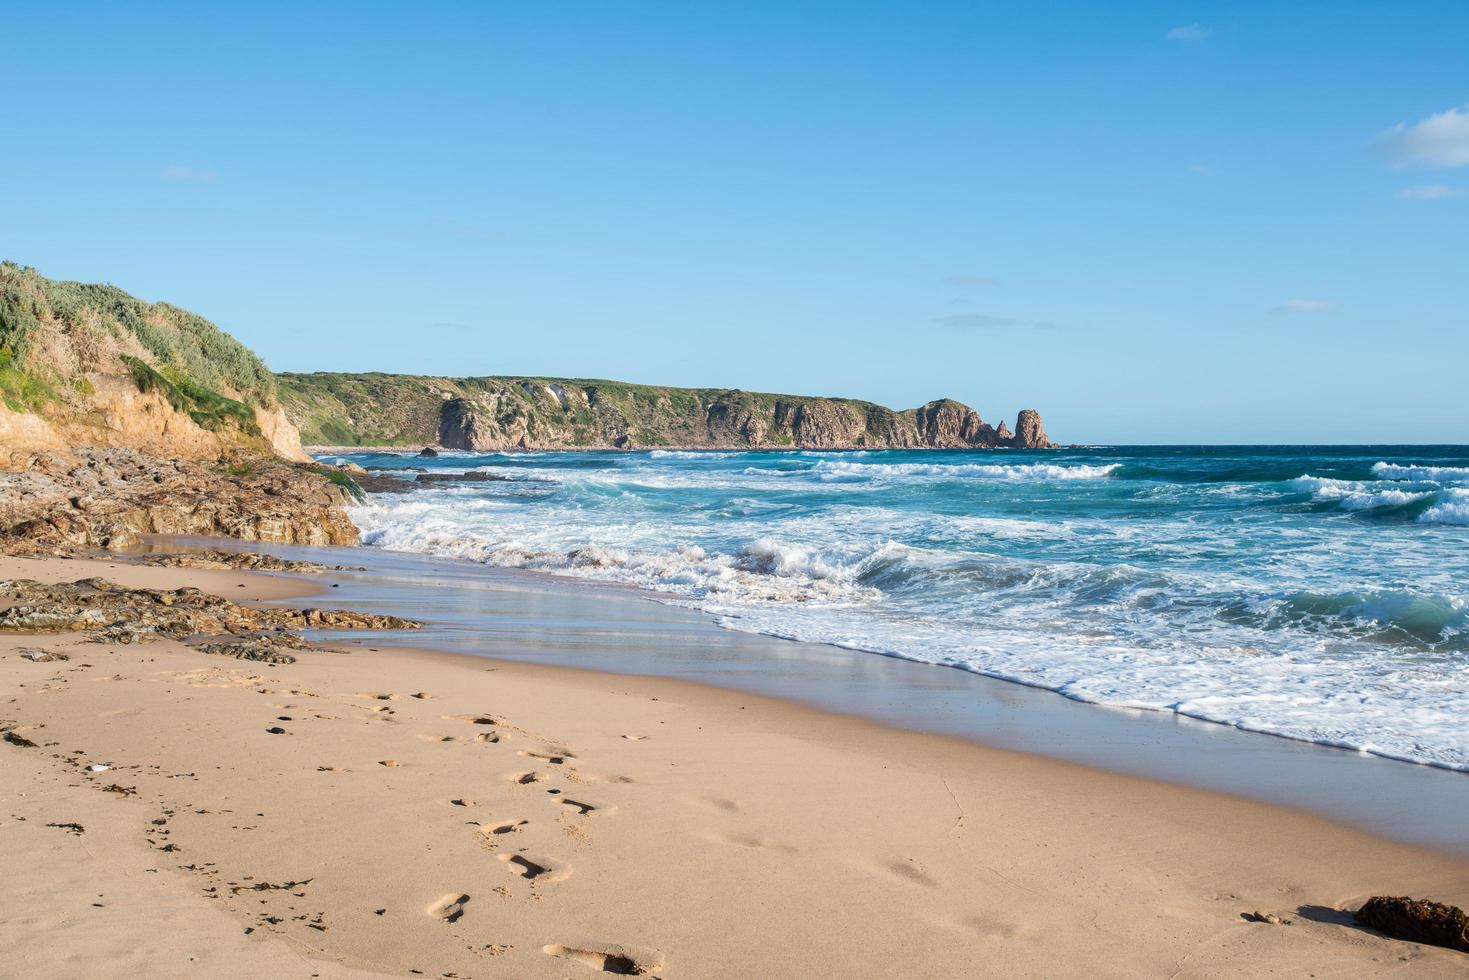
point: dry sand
(439, 815)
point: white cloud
(1432, 192)
(1306, 306)
(1438, 141)
(981, 321)
(193, 174)
(1189, 32)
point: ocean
(1316, 593)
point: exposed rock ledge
(108, 498)
(111, 613)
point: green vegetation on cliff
(92, 313)
(209, 409)
(59, 340)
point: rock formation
(111, 613)
(1029, 433)
(495, 414)
(108, 498)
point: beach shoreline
(611, 627)
(687, 825)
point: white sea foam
(689, 454)
(1438, 474)
(837, 468)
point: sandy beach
(403, 812)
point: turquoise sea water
(1320, 593)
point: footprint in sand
(375, 696)
(634, 738)
(581, 776)
(582, 809)
(519, 864)
(753, 842)
(471, 719)
(502, 827)
(524, 778)
(718, 803)
(449, 908)
(390, 763)
(555, 759)
(613, 959)
(463, 801)
(910, 870)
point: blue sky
(1154, 222)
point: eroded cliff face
(484, 425)
(494, 414)
(87, 365)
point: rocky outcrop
(108, 498)
(111, 613)
(946, 424)
(495, 414)
(1029, 433)
(251, 561)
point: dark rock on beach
(114, 614)
(1417, 920)
(244, 560)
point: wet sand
(454, 814)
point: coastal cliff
(500, 413)
(86, 364)
(120, 418)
